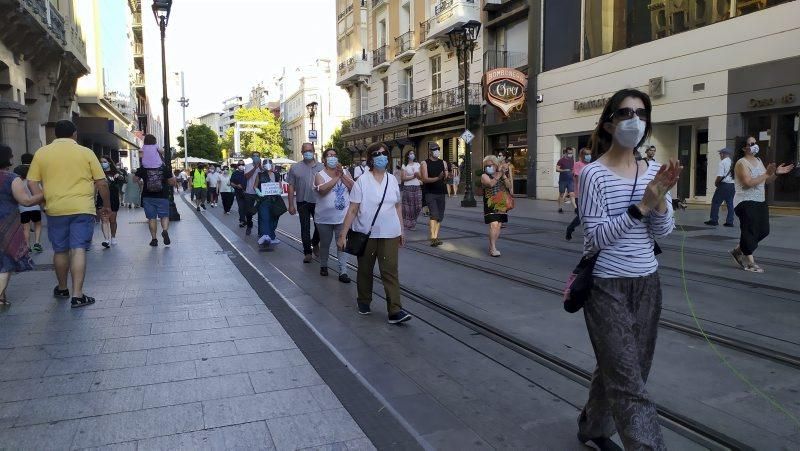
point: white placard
(467, 136)
(271, 189)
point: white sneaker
(113, 241)
(275, 241)
(264, 240)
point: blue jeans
(724, 193)
(266, 226)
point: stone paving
(179, 352)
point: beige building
(404, 82)
(42, 55)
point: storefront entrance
(778, 136)
(515, 145)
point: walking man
(725, 190)
(199, 186)
(303, 198)
(251, 175)
(566, 184)
(68, 175)
(212, 184)
(434, 174)
(238, 182)
(155, 186)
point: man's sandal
(82, 301)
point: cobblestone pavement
(179, 352)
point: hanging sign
(505, 88)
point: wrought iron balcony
(353, 68)
(448, 14)
(493, 59)
(347, 11)
(379, 55)
(450, 100)
(138, 81)
(405, 44)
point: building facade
(210, 120)
(148, 110)
(42, 55)
(228, 116)
(710, 81)
(108, 121)
(404, 81)
(299, 88)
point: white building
(228, 116)
(302, 86)
(211, 120)
(715, 70)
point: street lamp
(312, 111)
(463, 39)
(161, 10)
(184, 103)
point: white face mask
(630, 132)
(754, 149)
(436, 154)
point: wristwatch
(635, 213)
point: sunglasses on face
(751, 144)
(380, 152)
(628, 113)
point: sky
(225, 47)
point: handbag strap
(375, 218)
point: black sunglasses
(628, 113)
(380, 152)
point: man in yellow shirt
(69, 174)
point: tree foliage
(268, 140)
(203, 143)
(336, 142)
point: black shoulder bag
(356, 242)
(581, 280)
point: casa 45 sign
(505, 89)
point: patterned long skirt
(412, 205)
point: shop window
(562, 25)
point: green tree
(267, 140)
(203, 143)
(336, 142)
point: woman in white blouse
(412, 190)
(333, 185)
(385, 236)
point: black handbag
(356, 242)
(581, 281)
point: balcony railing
(379, 55)
(138, 50)
(503, 58)
(449, 100)
(441, 12)
(137, 20)
(50, 17)
(405, 42)
(138, 81)
(347, 11)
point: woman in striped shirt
(625, 204)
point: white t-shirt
(410, 169)
(250, 187)
(724, 170)
(224, 183)
(359, 170)
(212, 179)
(332, 207)
(367, 192)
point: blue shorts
(155, 207)
(566, 186)
(70, 231)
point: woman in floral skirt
(497, 200)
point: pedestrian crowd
(622, 200)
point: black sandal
(4, 302)
(82, 301)
(61, 293)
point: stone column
(12, 130)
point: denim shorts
(70, 231)
(566, 186)
(155, 207)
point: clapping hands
(666, 178)
(783, 169)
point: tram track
(681, 424)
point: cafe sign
(772, 101)
(505, 89)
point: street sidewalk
(179, 352)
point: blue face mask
(489, 170)
(256, 160)
(308, 155)
(105, 166)
(332, 162)
(587, 158)
(380, 161)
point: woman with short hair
(749, 201)
(376, 197)
(333, 184)
(496, 198)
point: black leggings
(754, 224)
(227, 201)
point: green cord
(724, 360)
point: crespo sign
(505, 88)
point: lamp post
(312, 111)
(184, 102)
(161, 10)
(463, 40)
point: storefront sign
(591, 104)
(772, 101)
(505, 89)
